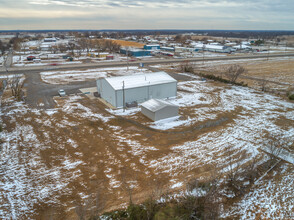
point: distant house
(156, 109)
(123, 90)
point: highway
(103, 64)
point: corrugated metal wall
(147, 113)
(167, 112)
(139, 94)
(107, 92)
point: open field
(124, 43)
(277, 70)
(54, 162)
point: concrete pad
(89, 92)
(106, 103)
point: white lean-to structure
(122, 90)
(156, 109)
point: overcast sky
(147, 14)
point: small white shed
(157, 109)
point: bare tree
(85, 44)
(235, 171)
(54, 49)
(97, 44)
(62, 48)
(23, 47)
(234, 72)
(71, 46)
(3, 48)
(251, 171)
(263, 83)
(126, 184)
(275, 145)
(111, 46)
(16, 85)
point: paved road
(136, 63)
(9, 59)
(39, 92)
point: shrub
(291, 96)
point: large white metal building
(122, 90)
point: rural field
(124, 43)
(82, 158)
(275, 74)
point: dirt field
(124, 43)
(57, 162)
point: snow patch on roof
(156, 104)
(141, 80)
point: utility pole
(203, 48)
(127, 52)
(124, 101)
(268, 51)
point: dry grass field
(124, 43)
(278, 71)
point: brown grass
(124, 43)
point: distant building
(217, 48)
(46, 47)
(123, 90)
(50, 40)
(242, 47)
(170, 49)
(156, 109)
(183, 49)
(98, 55)
(152, 47)
(134, 52)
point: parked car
(61, 92)
(30, 58)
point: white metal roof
(243, 46)
(216, 47)
(152, 45)
(140, 80)
(156, 104)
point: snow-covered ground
(26, 180)
(64, 77)
(270, 199)
(239, 117)
(10, 76)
